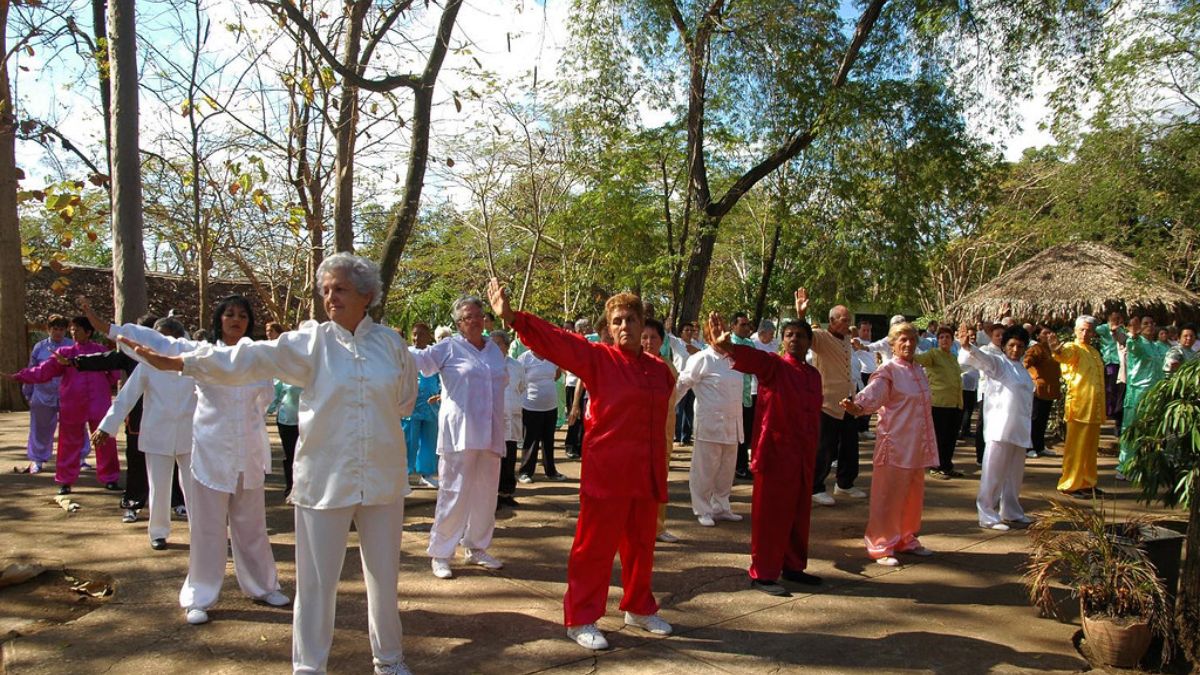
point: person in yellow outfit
(1083, 371)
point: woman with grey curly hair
(470, 438)
(359, 381)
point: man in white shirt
(682, 348)
(865, 364)
(719, 429)
(573, 445)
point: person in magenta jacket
(83, 399)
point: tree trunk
(768, 268)
(129, 259)
(406, 217)
(347, 131)
(1187, 627)
(697, 270)
(14, 340)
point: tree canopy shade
(1068, 280)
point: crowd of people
(364, 416)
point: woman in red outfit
(83, 400)
(622, 480)
(787, 426)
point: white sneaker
(196, 616)
(706, 520)
(393, 669)
(587, 636)
(525, 478)
(920, 550)
(868, 435)
(823, 499)
(441, 568)
(428, 482)
(478, 556)
(727, 515)
(181, 511)
(276, 599)
(649, 622)
(851, 492)
(667, 538)
(999, 527)
(887, 561)
(1031, 454)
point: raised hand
(498, 297)
(801, 302)
(1052, 342)
(966, 336)
(720, 339)
(100, 325)
(160, 361)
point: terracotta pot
(1122, 646)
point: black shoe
(112, 486)
(744, 475)
(802, 578)
(64, 489)
(770, 588)
(158, 544)
(1098, 492)
(510, 501)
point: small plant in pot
(1121, 600)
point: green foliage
(1166, 438)
(62, 224)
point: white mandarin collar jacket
(168, 405)
(473, 381)
(1008, 405)
(718, 388)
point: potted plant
(1122, 602)
(1166, 468)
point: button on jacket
(473, 380)
(718, 388)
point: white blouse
(1008, 404)
(229, 434)
(472, 411)
(168, 405)
(541, 393)
(718, 388)
(514, 401)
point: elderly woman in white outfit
(169, 403)
(230, 457)
(1007, 410)
(351, 463)
(717, 432)
(471, 428)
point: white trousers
(242, 516)
(320, 551)
(711, 476)
(160, 473)
(466, 502)
(1003, 471)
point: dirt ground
(962, 611)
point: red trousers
(606, 526)
(71, 435)
(779, 519)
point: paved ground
(961, 611)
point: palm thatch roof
(1068, 280)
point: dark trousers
(539, 434)
(288, 435)
(979, 435)
(574, 442)
(507, 486)
(742, 466)
(945, 427)
(683, 417)
(1114, 395)
(864, 422)
(137, 486)
(839, 440)
(1039, 422)
(967, 410)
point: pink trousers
(897, 498)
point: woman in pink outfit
(904, 446)
(83, 399)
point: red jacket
(787, 416)
(623, 429)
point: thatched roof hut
(1064, 281)
(165, 292)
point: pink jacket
(81, 396)
(899, 390)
